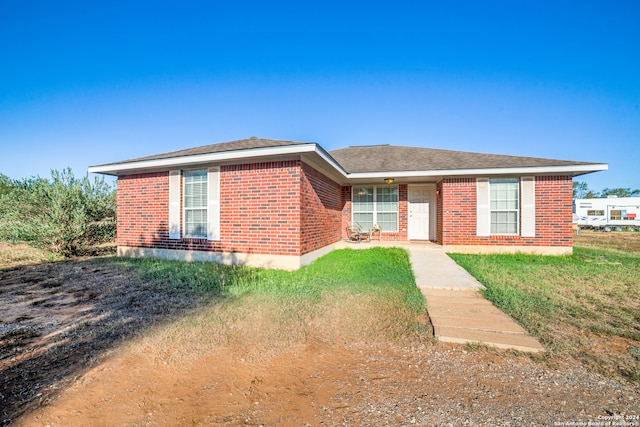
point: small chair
(356, 234)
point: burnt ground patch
(58, 320)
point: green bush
(6, 186)
(65, 215)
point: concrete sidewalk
(458, 312)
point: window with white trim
(195, 203)
(375, 205)
(504, 205)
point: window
(195, 203)
(387, 208)
(504, 202)
(363, 206)
(616, 214)
(375, 205)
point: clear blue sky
(85, 83)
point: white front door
(421, 204)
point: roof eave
(127, 168)
(263, 153)
(523, 170)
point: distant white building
(611, 213)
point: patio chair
(355, 233)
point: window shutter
(174, 204)
(528, 200)
(483, 223)
(213, 196)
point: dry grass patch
(21, 254)
(265, 322)
(627, 241)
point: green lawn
(586, 306)
(347, 295)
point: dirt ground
(86, 343)
(58, 319)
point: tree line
(63, 214)
(582, 191)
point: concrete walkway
(458, 311)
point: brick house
(282, 204)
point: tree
(620, 192)
(580, 190)
(65, 215)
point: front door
(420, 206)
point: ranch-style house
(282, 204)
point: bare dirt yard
(86, 342)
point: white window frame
(516, 210)
(375, 206)
(175, 209)
(204, 207)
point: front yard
(108, 341)
(585, 306)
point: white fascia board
(172, 162)
(536, 170)
(327, 158)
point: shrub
(66, 215)
(6, 186)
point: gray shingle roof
(393, 158)
(363, 159)
(240, 144)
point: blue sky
(85, 83)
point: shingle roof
(393, 158)
(240, 144)
(353, 160)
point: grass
(346, 296)
(21, 254)
(586, 305)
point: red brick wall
(456, 206)
(346, 210)
(403, 216)
(554, 212)
(457, 214)
(321, 209)
(143, 209)
(260, 210)
(289, 208)
(260, 207)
